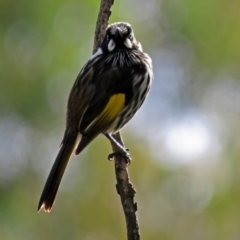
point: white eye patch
(128, 43)
(140, 46)
(111, 45)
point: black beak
(118, 33)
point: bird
(107, 93)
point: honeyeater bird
(108, 91)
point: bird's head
(119, 36)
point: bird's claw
(123, 152)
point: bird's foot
(124, 152)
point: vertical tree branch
(124, 187)
(102, 22)
(126, 191)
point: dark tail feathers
(50, 189)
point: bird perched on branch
(108, 91)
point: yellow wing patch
(109, 113)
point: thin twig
(124, 187)
(126, 191)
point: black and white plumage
(108, 91)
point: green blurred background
(184, 142)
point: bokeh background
(185, 141)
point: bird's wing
(106, 116)
(112, 90)
(80, 97)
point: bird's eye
(130, 36)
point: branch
(126, 191)
(102, 22)
(124, 187)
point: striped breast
(141, 86)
